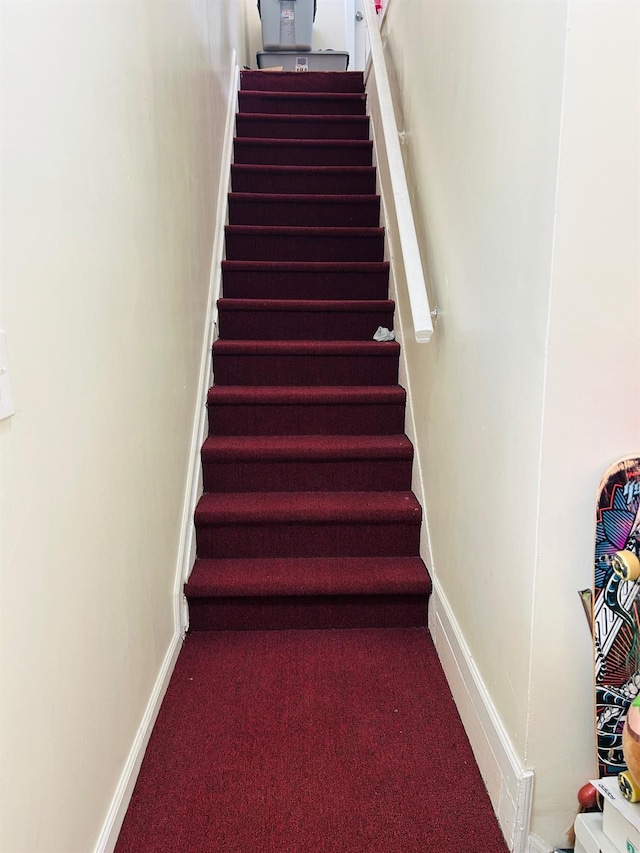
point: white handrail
(399, 191)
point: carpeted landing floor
(309, 742)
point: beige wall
(112, 118)
(592, 399)
(525, 186)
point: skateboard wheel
(628, 788)
(626, 565)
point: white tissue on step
(383, 334)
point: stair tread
(275, 169)
(314, 81)
(305, 266)
(375, 349)
(305, 394)
(307, 576)
(306, 447)
(284, 142)
(339, 306)
(301, 103)
(303, 118)
(245, 508)
(320, 231)
(306, 198)
(284, 94)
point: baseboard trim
(115, 816)
(536, 845)
(187, 549)
(510, 786)
(402, 311)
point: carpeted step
(309, 524)
(288, 243)
(329, 592)
(313, 81)
(303, 280)
(302, 103)
(250, 178)
(305, 362)
(308, 210)
(288, 463)
(267, 126)
(307, 576)
(303, 152)
(302, 319)
(289, 410)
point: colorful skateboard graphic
(616, 608)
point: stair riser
(308, 540)
(294, 419)
(270, 182)
(307, 612)
(318, 104)
(290, 154)
(282, 284)
(236, 369)
(276, 247)
(291, 81)
(301, 325)
(360, 475)
(363, 214)
(253, 126)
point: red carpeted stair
(307, 740)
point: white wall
(481, 92)
(525, 188)
(592, 400)
(111, 136)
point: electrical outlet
(6, 399)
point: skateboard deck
(616, 608)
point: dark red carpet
(308, 711)
(309, 742)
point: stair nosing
(300, 448)
(315, 306)
(226, 578)
(247, 509)
(359, 231)
(309, 395)
(304, 117)
(282, 141)
(306, 198)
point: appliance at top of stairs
(287, 27)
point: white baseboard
(120, 803)
(187, 547)
(510, 786)
(536, 845)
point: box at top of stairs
(620, 818)
(312, 60)
(286, 24)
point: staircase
(307, 741)
(307, 518)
